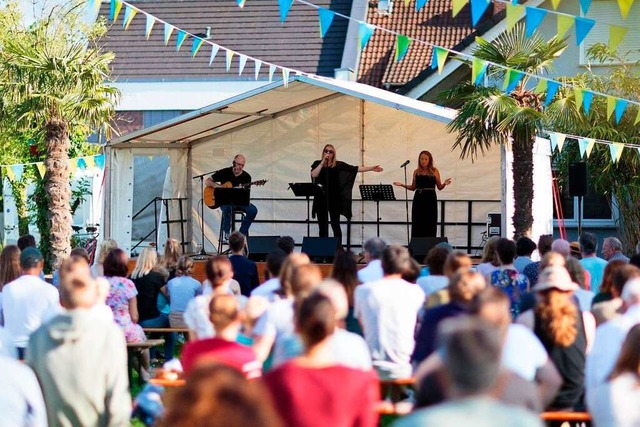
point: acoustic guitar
(209, 195)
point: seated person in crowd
(373, 249)
(304, 390)
(578, 276)
(387, 310)
(436, 280)
(244, 270)
(182, 289)
(507, 278)
(223, 348)
(456, 261)
(531, 271)
(270, 287)
(472, 367)
(524, 248)
(80, 360)
(286, 244)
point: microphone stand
(201, 178)
(406, 199)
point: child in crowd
(182, 289)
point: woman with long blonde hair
(106, 246)
(336, 179)
(565, 332)
(425, 182)
(151, 284)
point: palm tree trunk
(522, 170)
(58, 190)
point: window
(596, 210)
(607, 12)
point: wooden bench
(570, 418)
(165, 330)
(168, 383)
(134, 349)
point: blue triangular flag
(533, 19)
(621, 104)
(586, 100)
(82, 163)
(17, 171)
(326, 18)
(365, 31)
(583, 143)
(99, 161)
(552, 88)
(515, 78)
(284, 6)
(420, 4)
(180, 39)
(478, 7)
(585, 5)
(197, 42)
(583, 26)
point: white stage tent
(281, 130)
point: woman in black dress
(424, 211)
(336, 179)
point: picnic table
(134, 349)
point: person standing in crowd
(317, 373)
(507, 279)
(373, 248)
(245, 271)
(607, 310)
(21, 401)
(182, 289)
(387, 310)
(80, 360)
(223, 348)
(578, 276)
(424, 210)
(472, 366)
(334, 199)
(150, 284)
(562, 247)
(612, 250)
(592, 263)
(237, 176)
(532, 270)
(565, 332)
(10, 269)
(605, 289)
(28, 301)
(612, 404)
(524, 248)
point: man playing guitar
(237, 177)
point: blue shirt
(182, 289)
(595, 266)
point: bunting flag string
(15, 172)
(583, 97)
(325, 16)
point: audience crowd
(534, 327)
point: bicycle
(87, 240)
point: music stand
(377, 193)
(234, 197)
(305, 189)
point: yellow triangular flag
(564, 23)
(73, 166)
(441, 55)
(90, 161)
(619, 147)
(555, 4)
(150, 157)
(561, 139)
(41, 169)
(515, 12)
(128, 16)
(578, 94)
(457, 6)
(590, 145)
(541, 87)
(625, 6)
(637, 117)
(611, 106)
(9, 172)
(616, 35)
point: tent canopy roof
(267, 103)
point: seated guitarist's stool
(236, 216)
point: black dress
(424, 211)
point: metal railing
(168, 221)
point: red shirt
(221, 351)
(335, 396)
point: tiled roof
(434, 24)
(254, 30)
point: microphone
(404, 164)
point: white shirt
(585, 298)
(277, 322)
(25, 303)
(21, 402)
(267, 289)
(608, 342)
(615, 403)
(522, 352)
(431, 284)
(388, 310)
(350, 350)
(7, 348)
(372, 272)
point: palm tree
(54, 77)
(487, 116)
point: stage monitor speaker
(320, 249)
(260, 246)
(494, 224)
(578, 179)
(420, 246)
